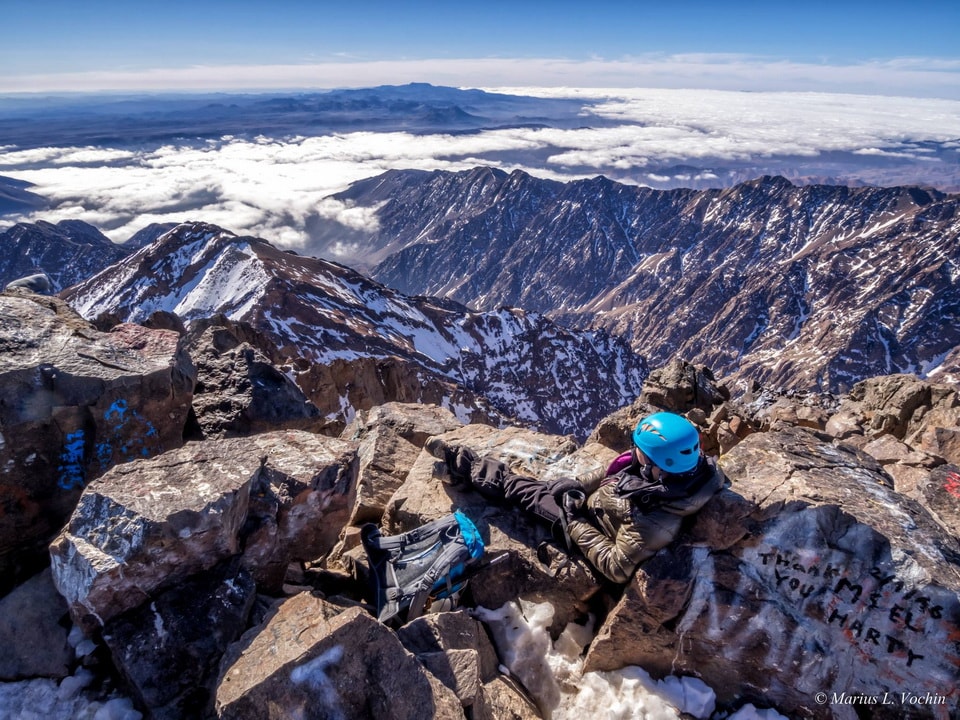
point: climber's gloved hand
(574, 501)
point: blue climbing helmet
(670, 441)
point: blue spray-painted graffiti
(127, 435)
(118, 408)
(140, 437)
(72, 468)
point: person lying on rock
(617, 520)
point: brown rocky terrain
(75, 402)
(223, 576)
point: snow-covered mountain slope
(521, 363)
(67, 252)
(809, 287)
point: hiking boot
(459, 459)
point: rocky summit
(219, 572)
(195, 440)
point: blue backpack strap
(471, 536)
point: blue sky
(869, 47)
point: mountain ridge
(67, 252)
(319, 313)
(755, 281)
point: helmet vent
(650, 428)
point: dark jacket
(628, 518)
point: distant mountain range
(67, 252)
(81, 120)
(15, 198)
(806, 288)
(809, 287)
(352, 342)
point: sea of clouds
(273, 187)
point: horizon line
(933, 78)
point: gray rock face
(314, 659)
(76, 401)
(32, 633)
(239, 392)
(147, 525)
(168, 649)
(809, 575)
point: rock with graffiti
(148, 524)
(75, 401)
(807, 582)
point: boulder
(239, 392)
(531, 565)
(390, 438)
(300, 501)
(688, 390)
(76, 401)
(809, 575)
(844, 425)
(943, 442)
(344, 386)
(886, 449)
(455, 648)
(504, 700)
(616, 430)
(414, 422)
(33, 633)
(907, 478)
(939, 492)
(903, 405)
(680, 386)
(168, 650)
(786, 412)
(586, 463)
(39, 283)
(147, 525)
(314, 659)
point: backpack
(427, 564)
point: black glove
(574, 501)
(561, 486)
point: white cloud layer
(271, 187)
